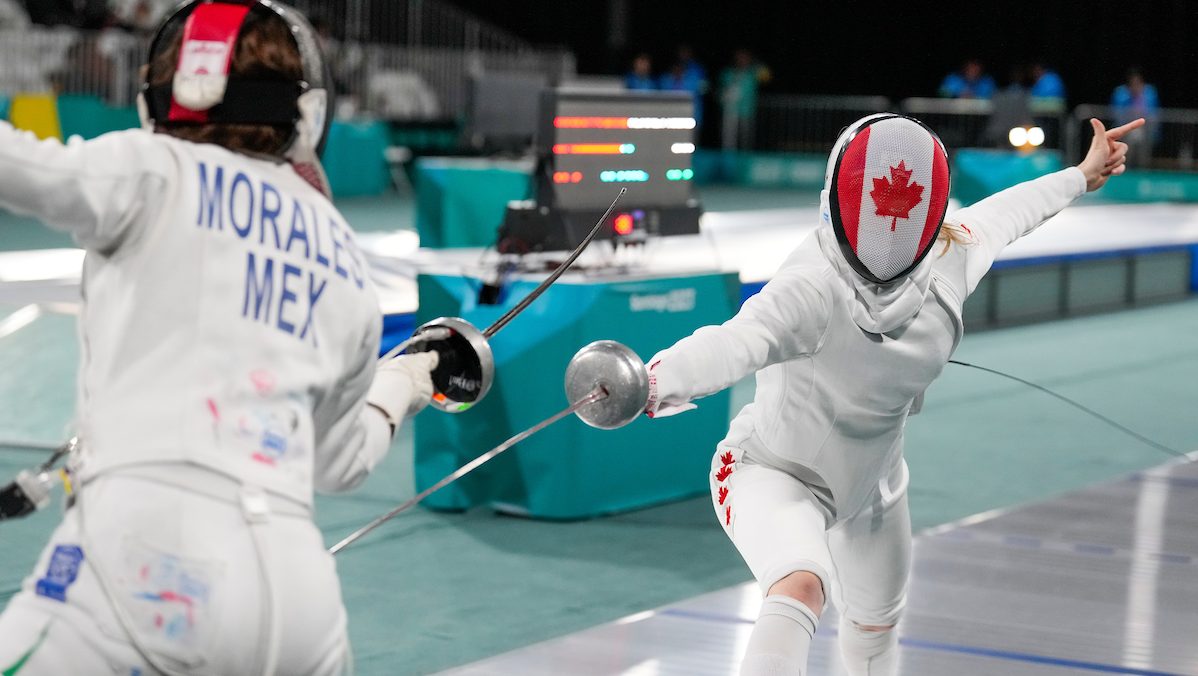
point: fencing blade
(595, 395)
(553, 277)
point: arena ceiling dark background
(893, 48)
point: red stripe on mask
(938, 197)
(209, 22)
(849, 182)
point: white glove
(659, 391)
(403, 386)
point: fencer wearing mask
(810, 482)
(228, 339)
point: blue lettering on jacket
(288, 296)
(210, 198)
(280, 261)
(242, 229)
(314, 293)
(320, 257)
(270, 213)
(259, 290)
(337, 249)
(299, 229)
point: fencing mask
(885, 195)
(204, 91)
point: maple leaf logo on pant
(893, 197)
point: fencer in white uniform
(810, 482)
(229, 336)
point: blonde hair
(953, 233)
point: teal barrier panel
(977, 174)
(759, 170)
(3, 107)
(90, 116)
(1151, 186)
(460, 202)
(572, 471)
(355, 158)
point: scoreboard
(596, 143)
(590, 145)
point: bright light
(567, 177)
(624, 176)
(661, 123)
(593, 149)
(1017, 136)
(623, 224)
(682, 148)
(590, 122)
(1035, 136)
(680, 174)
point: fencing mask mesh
(885, 194)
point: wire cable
(1084, 409)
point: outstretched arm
(96, 190)
(365, 412)
(1004, 217)
(787, 319)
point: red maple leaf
(723, 494)
(728, 516)
(893, 197)
(727, 458)
(724, 473)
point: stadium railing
(981, 123)
(391, 81)
(415, 23)
(805, 123)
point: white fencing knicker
(175, 569)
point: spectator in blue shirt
(688, 76)
(695, 72)
(1136, 98)
(1046, 84)
(971, 82)
(641, 75)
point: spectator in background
(687, 75)
(141, 16)
(971, 82)
(1046, 84)
(13, 15)
(641, 75)
(1010, 108)
(738, 94)
(694, 70)
(1136, 98)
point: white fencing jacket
(228, 317)
(833, 397)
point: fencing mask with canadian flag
(885, 194)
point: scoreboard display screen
(594, 143)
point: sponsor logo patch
(61, 573)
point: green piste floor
(430, 591)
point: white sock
(868, 653)
(781, 639)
